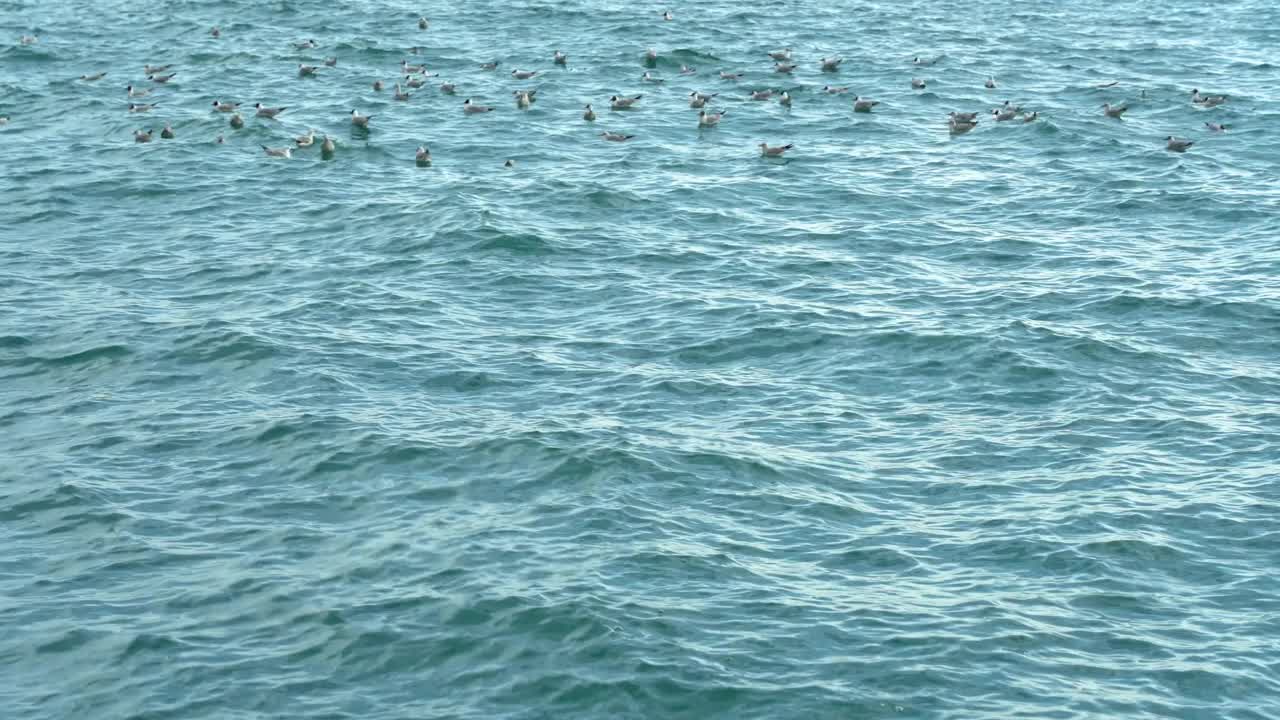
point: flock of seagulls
(415, 77)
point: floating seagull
(167, 132)
(1032, 117)
(831, 64)
(412, 69)
(306, 141)
(963, 117)
(777, 151)
(589, 115)
(615, 137)
(650, 55)
(447, 87)
(785, 99)
(414, 82)
(489, 66)
(834, 90)
(28, 40)
(142, 107)
(917, 84)
(1113, 111)
(218, 140)
(331, 61)
(136, 92)
(307, 70)
(278, 152)
(923, 61)
(703, 96)
(4, 119)
(1010, 106)
(646, 77)
(225, 106)
(377, 85)
(523, 74)
(360, 120)
(990, 84)
(306, 45)
(730, 76)
(861, 104)
(142, 137)
(93, 77)
(686, 70)
(524, 99)
(706, 119)
(761, 94)
(237, 122)
(559, 58)
(958, 126)
(666, 15)
(1003, 114)
(423, 24)
(621, 103)
(267, 112)
(783, 54)
(1207, 100)
(472, 109)
(786, 68)
(327, 147)
(1177, 144)
(399, 94)
(423, 156)
(1216, 127)
(154, 69)
(161, 78)
(215, 31)
(698, 100)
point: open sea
(903, 424)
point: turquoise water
(904, 425)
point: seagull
(28, 40)
(447, 87)
(559, 58)
(783, 54)
(1177, 144)
(917, 84)
(306, 45)
(218, 140)
(489, 65)
(472, 109)
(136, 92)
(963, 117)
(267, 112)
(686, 70)
(154, 69)
(167, 132)
(1010, 106)
(412, 69)
(237, 122)
(331, 61)
(706, 119)
(523, 74)
(161, 78)
(278, 152)
(360, 120)
(589, 115)
(777, 151)
(923, 61)
(831, 64)
(621, 103)
(4, 119)
(1207, 100)
(650, 55)
(306, 70)
(377, 85)
(423, 156)
(225, 106)
(524, 99)
(730, 76)
(1032, 117)
(142, 137)
(615, 137)
(306, 141)
(215, 31)
(142, 107)
(423, 24)
(646, 77)
(990, 84)
(784, 68)
(1216, 127)
(958, 126)
(1113, 111)
(399, 94)
(861, 104)
(761, 94)
(1002, 114)
(785, 100)
(666, 15)
(327, 147)
(834, 90)
(93, 77)
(413, 82)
